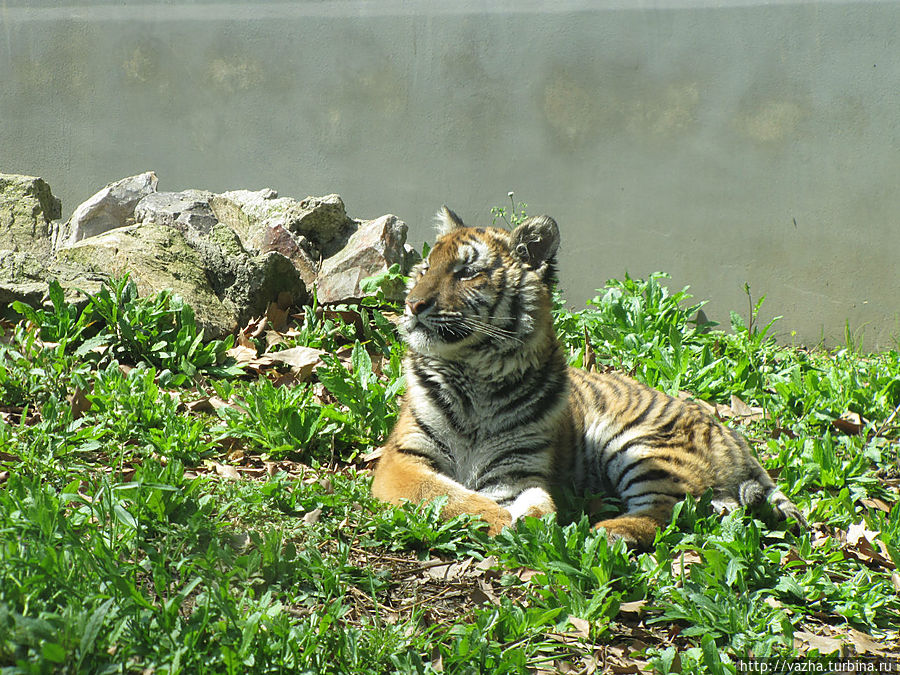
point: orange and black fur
(495, 420)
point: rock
(293, 247)
(27, 209)
(108, 209)
(245, 282)
(224, 284)
(186, 211)
(157, 257)
(373, 248)
(25, 278)
(244, 211)
(21, 278)
(302, 231)
(322, 222)
(227, 255)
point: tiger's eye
(466, 272)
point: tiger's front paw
(491, 512)
(497, 521)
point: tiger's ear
(536, 241)
(447, 221)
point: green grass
(163, 511)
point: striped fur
(494, 419)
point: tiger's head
(483, 289)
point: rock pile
(229, 255)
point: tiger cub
(495, 420)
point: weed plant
(143, 532)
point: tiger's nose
(417, 306)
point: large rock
(265, 223)
(186, 211)
(108, 209)
(25, 278)
(321, 221)
(27, 209)
(227, 255)
(373, 248)
(21, 278)
(224, 284)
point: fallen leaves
(272, 330)
(225, 470)
(301, 360)
(843, 640)
(849, 423)
(866, 546)
(738, 411)
(683, 562)
(805, 641)
(79, 402)
(312, 517)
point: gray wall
(724, 142)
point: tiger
(497, 423)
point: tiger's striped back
(495, 420)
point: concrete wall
(724, 142)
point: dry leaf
(252, 330)
(242, 353)
(347, 316)
(582, 626)
(448, 571)
(825, 645)
(682, 563)
(487, 564)
(302, 360)
(895, 579)
(636, 607)
(864, 643)
(370, 457)
(875, 503)
(792, 556)
(312, 517)
(858, 531)
(738, 407)
(867, 553)
(277, 317)
(481, 594)
(437, 660)
(849, 423)
(226, 471)
(200, 405)
(79, 402)
(288, 379)
(526, 574)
